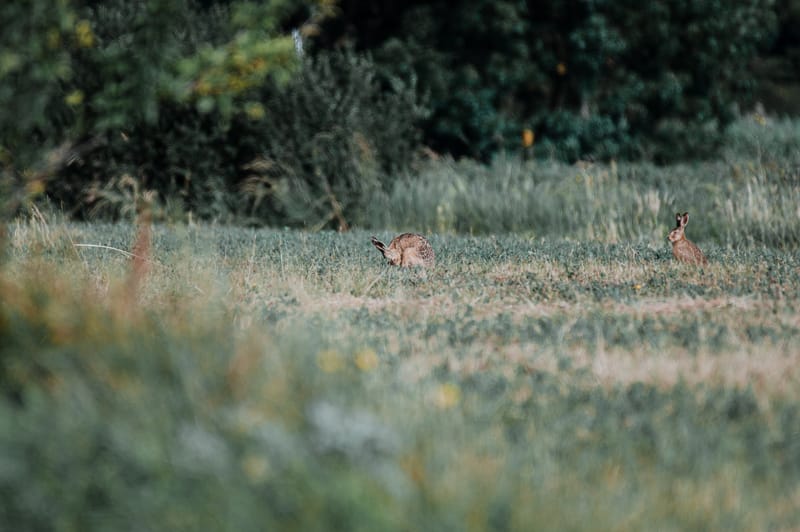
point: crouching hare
(407, 250)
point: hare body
(408, 249)
(682, 248)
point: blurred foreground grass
(258, 380)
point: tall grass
(749, 196)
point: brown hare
(407, 250)
(683, 249)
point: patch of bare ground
(771, 371)
(688, 304)
(446, 305)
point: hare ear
(677, 219)
(685, 218)
(378, 244)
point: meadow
(257, 379)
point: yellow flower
(527, 138)
(366, 360)
(447, 396)
(561, 69)
(35, 187)
(83, 32)
(256, 468)
(74, 98)
(254, 111)
(637, 286)
(330, 361)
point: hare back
(416, 249)
(408, 240)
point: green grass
(274, 379)
(748, 196)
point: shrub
(332, 138)
(97, 98)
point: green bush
(101, 98)
(332, 137)
(314, 151)
(190, 159)
(35, 48)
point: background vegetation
(306, 113)
(748, 195)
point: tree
(80, 77)
(592, 78)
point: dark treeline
(300, 112)
(606, 79)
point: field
(242, 379)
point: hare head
(678, 233)
(391, 254)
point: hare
(406, 250)
(683, 249)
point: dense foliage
(593, 79)
(212, 107)
(309, 113)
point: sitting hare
(406, 250)
(683, 249)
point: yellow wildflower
(35, 187)
(84, 35)
(447, 396)
(527, 138)
(366, 360)
(254, 111)
(74, 98)
(256, 468)
(561, 69)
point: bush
(332, 137)
(123, 98)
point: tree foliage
(601, 78)
(92, 92)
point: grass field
(273, 379)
